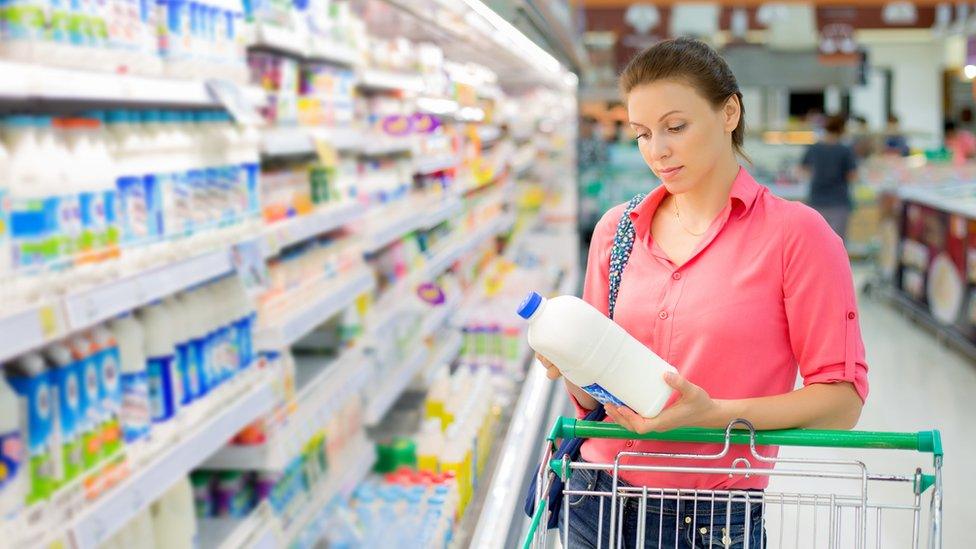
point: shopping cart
(837, 513)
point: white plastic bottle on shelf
(14, 469)
(196, 324)
(174, 517)
(244, 317)
(223, 353)
(109, 367)
(136, 412)
(164, 383)
(182, 343)
(67, 382)
(596, 354)
(31, 380)
(52, 140)
(430, 445)
(139, 532)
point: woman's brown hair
(695, 63)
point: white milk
(136, 414)
(174, 517)
(164, 383)
(596, 354)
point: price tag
(48, 317)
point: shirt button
(851, 316)
(663, 315)
(676, 276)
(629, 443)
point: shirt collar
(742, 196)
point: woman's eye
(643, 136)
(677, 129)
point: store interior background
(421, 169)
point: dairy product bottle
(596, 354)
(164, 383)
(196, 334)
(90, 420)
(52, 141)
(182, 343)
(31, 380)
(174, 517)
(430, 445)
(108, 366)
(96, 182)
(13, 427)
(135, 414)
(244, 315)
(31, 177)
(66, 379)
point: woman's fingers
(551, 371)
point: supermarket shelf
(439, 316)
(301, 140)
(425, 166)
(344, 476)
(393, 385)
(36, 326)
(521, 446)
(381, 80)
(259, 530)
(326, 388)
(303, 45)
(286, 141)
(449, 209)
(448, 350)
(298, 229)
(385, 146)
(408, 220)
(304, 318)
(489, 134)
(22, 81)
(222, 421)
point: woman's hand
(693, 408)
(551, 371)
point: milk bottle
(31, 380)
(164, 383)
(135, 414)
(65, 374)
(596, 354)
(13, 474)
(108, 365)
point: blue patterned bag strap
(623, 243)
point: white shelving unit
(382, 80)
(304, 313)
(302, 45)
(424, 166)
(32, 328)
(327, 389)
(389, 224)
(394, 384)
(299, 229)
(301, 140)
(246, 399)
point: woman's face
(680, 135)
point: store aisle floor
(916, 384)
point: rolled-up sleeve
(820, 303)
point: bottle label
(91, 410)
(134, 209)
(37, 394)
(188, 373)
(602, 395)
(162, 388)
(69, 400)
(136, 413)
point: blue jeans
(679, 525)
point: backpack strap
(623, 243)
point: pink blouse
(766, 294)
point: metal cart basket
(841, 503)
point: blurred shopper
(831, 165)
(894, 141)
(961, 142)
(862, 142)
(591, 149)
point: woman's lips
(669, 173)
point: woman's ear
(732, 112)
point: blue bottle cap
(529, 305)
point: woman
(734, 287)
(831, 166)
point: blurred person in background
(591, 149)
(862, 142)
(961, 142)
(831, 166)
(895, 142)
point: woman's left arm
(816, 406)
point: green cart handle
(922, 441)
